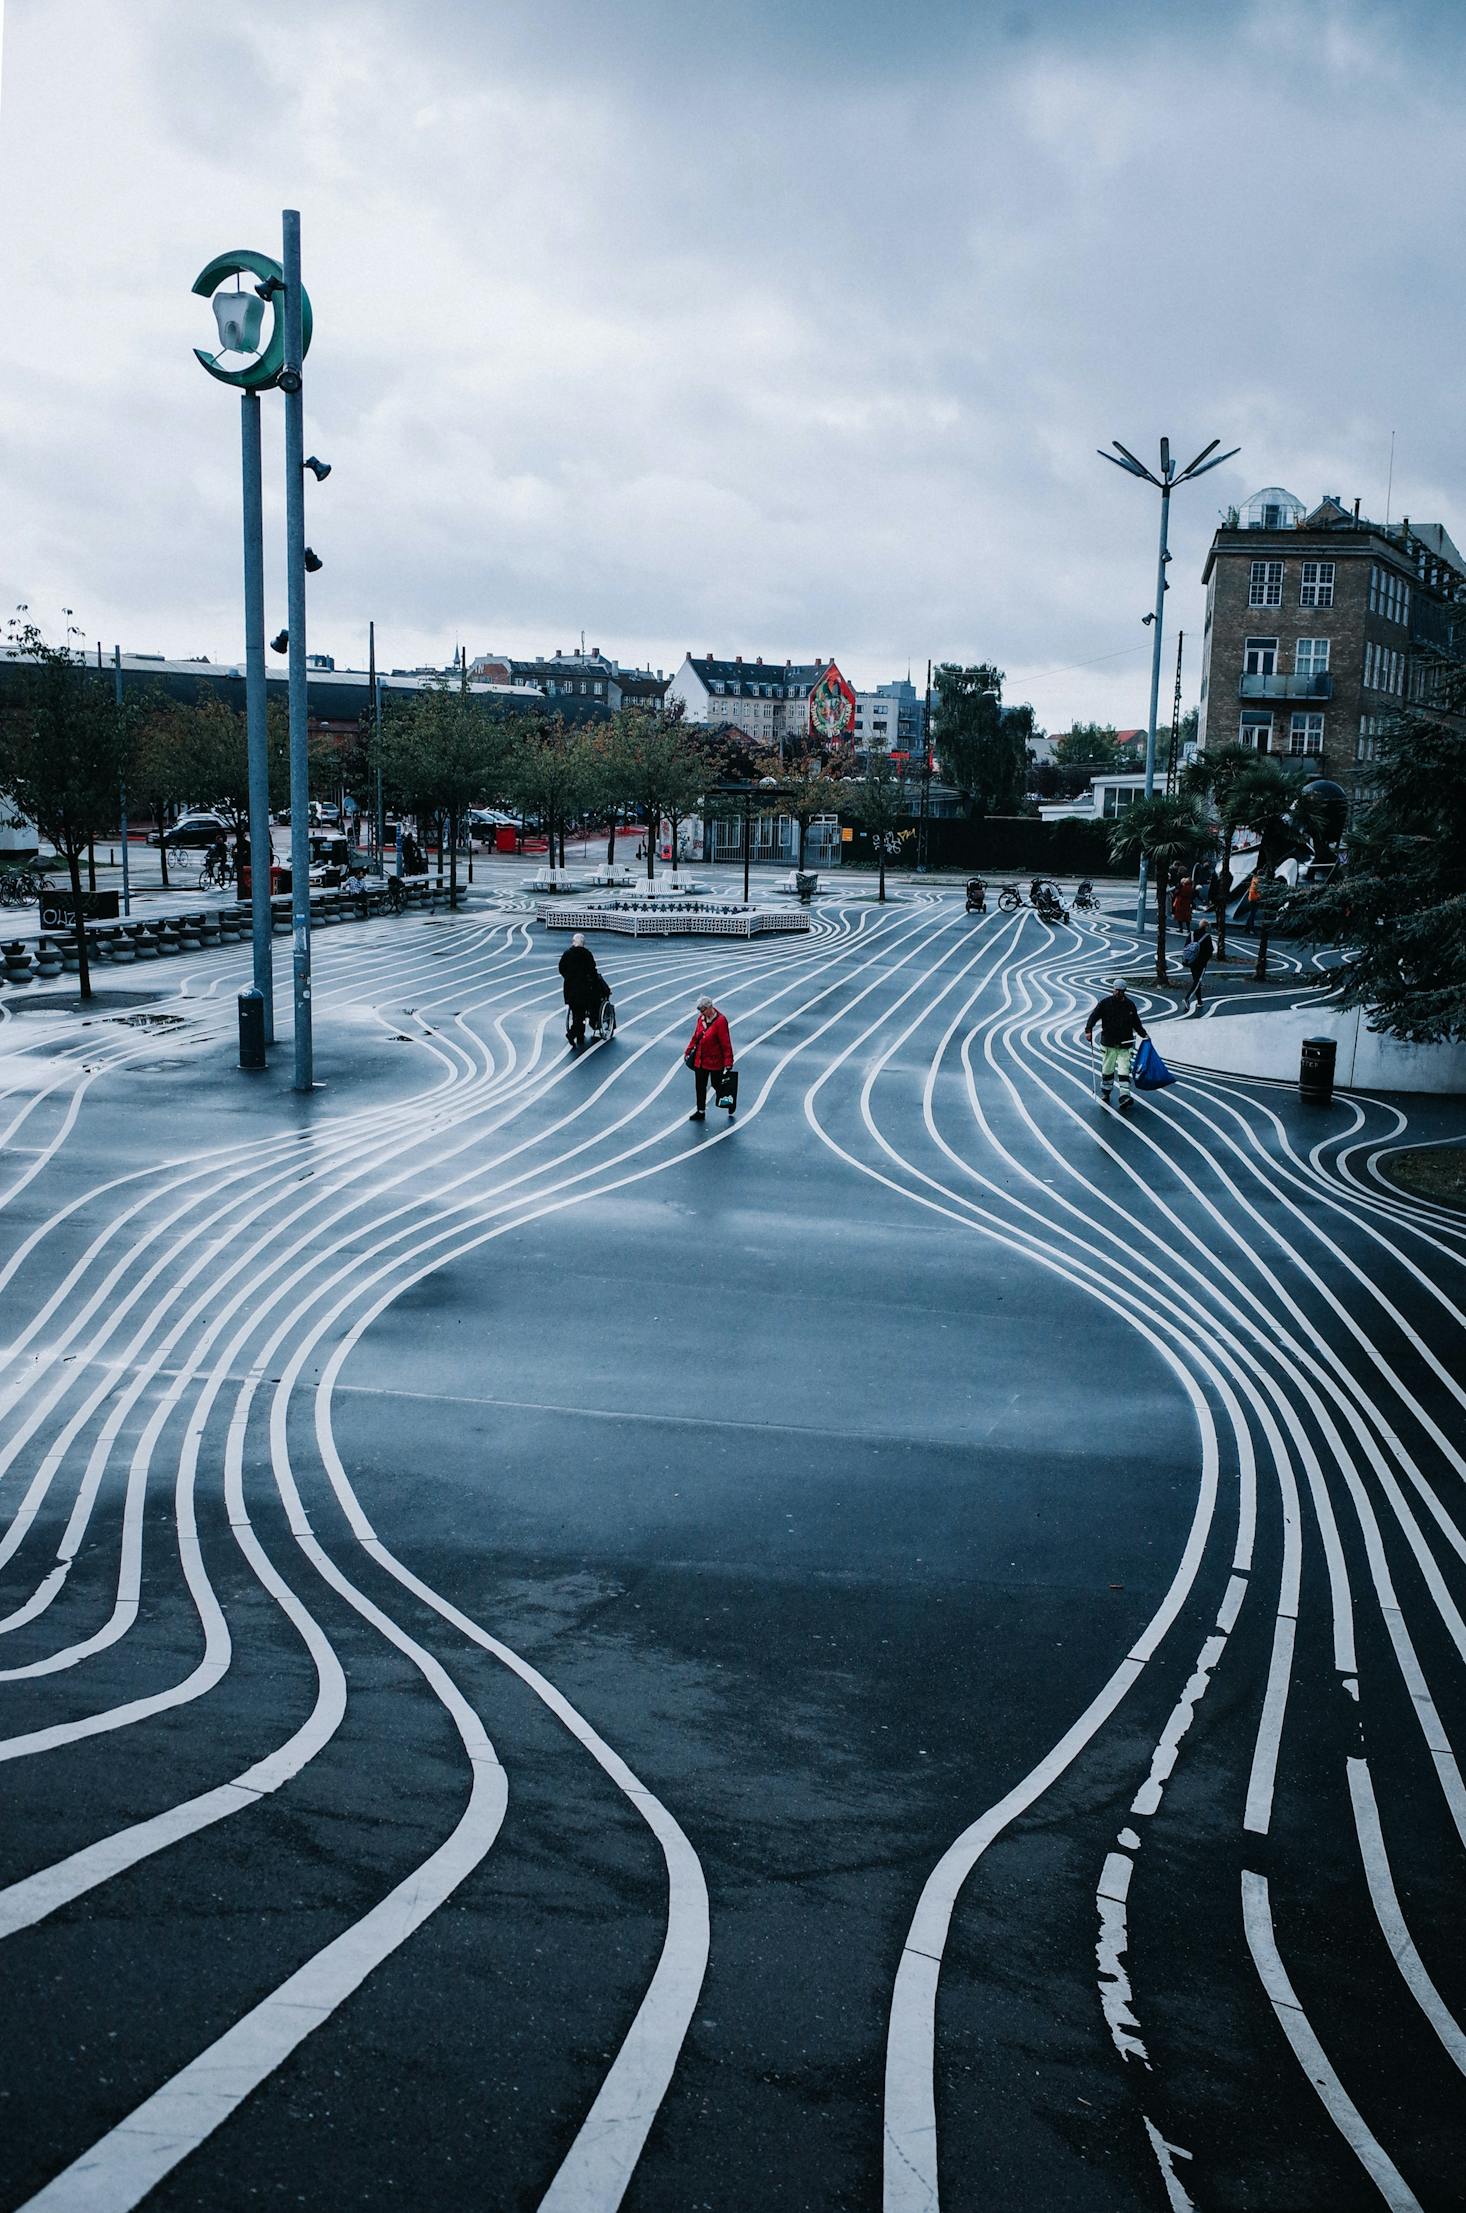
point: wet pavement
(902, 1651)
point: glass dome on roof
(1272, 509)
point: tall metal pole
(926, 771)
(1155, 671)
(300, 856)
(1174, 748)
(379, 824)
(122, 791)
(747, 839)
(261, 854)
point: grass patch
(1438, 1173)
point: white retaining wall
(1269, 1045)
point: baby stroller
(977, 895)
(600, 1022)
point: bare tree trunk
(453, 862)
(78, 924)
(611, 842)
(1260, 970)
(881, 894)
(162, 842)
(651, 843)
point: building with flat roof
(1321, 626)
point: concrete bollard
(17, 962)
(49, 959)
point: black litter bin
(252, 1029)
(1316, 1069)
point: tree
(1209, 782)
(1165, 831)
(878, 802)
(447, 748)
(660, 771)
(982, 746)
(64, 745)
(1399, 910)
(551, 772)
(1090, 746)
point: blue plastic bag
(1148, 1070)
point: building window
(1118, 797)
(1389, 595)
(1260, 655)
(1312, 658)
(1305, 735)
(1317, 586)
(1256, 731)
(1267, 584)
(1371, 730)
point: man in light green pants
(1118, 1020)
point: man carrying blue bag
(1118, 1020)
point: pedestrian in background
(1196, 957)
(1252, 898)
(709, 1052)
(1183, 899)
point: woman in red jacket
(709, 1052)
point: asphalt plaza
(893, 1653)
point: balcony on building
(1438, 625)
(1286, 687)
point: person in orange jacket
(709, 1052)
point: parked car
(196, 829)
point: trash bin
(252, 1029)
(1316, 1069)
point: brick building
(1320, 627)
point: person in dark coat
(1196, 957)
(1117, 1018)
(584, 987)
(709, 1052)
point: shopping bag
(1148, 1070)
(725, 1088)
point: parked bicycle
(23, 885)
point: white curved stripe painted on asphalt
(1257, 1919)
(1391, 1917)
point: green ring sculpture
(262, 373)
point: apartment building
(770, 701)
(1320, 627)
(584, 684)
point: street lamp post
(291, 382)
(239, 315)
(1165, 484)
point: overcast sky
(785, 327)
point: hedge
(999, 843)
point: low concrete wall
(1269, 1045)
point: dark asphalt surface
(977, 1545)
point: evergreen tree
(1399, 910)
(981, 745)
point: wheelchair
(600, 1026)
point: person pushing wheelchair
(585, 988)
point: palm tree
(1210, 780)
(1164, 830)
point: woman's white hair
(706, 1002)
